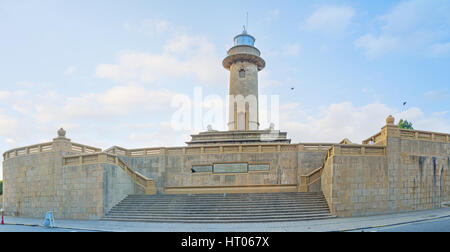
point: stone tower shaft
(244, 63)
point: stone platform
(239, 137)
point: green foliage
(1, 187)
(404, 124)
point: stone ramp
(220, 208)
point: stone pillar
(61, 143)
(390, 130)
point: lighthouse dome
(244, 39)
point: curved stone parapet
(50, 147)
(244, 49)
(231, 59)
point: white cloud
(70, 70)
(124, 98)
(165, 136)
(265, 80)
(291, 49)
(433, 122)
(375, 46)
(4, 95)
(330, 19)
(344, 120)
(109, 105)
(33, 84)
(439, 49)
(272, 15)
(150, 27)
(440, 95)
(183, 56)
(8, 125)
(413, 26)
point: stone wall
(35, 184)
(356, 185)
(116, 186)
(150, 166)
(419, 175)
(409, 173)
(326, 182)
(174, 170)
(309, 161)
(412, 175)
(85, 186)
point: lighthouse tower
(244, 63)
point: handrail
(307, 180)
(372, 138)
(147, 184)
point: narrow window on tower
(242, 73)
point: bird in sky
(404, 103)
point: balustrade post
(337, 150)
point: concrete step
(214, 217)
(220, 209)
(218, 216)
(217, 208)
(218, 203)
(246, 220)
(223, 198)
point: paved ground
(22, 228)
(439, 225)
(430, 220)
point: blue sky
(107, 70)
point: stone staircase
(220, 208)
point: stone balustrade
(48, 147)
(407, 134)
(210, 149)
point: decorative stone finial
(390, 120)
(210, 129)
(271, 127)
(61, 133)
